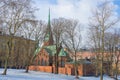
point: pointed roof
(37, 51)
(51, 50)
(49, 19)
(62, 53)
(48, 36)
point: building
(20, 47)
(45, 56)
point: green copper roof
(49, 51)
(52, 50)
(48, 30)
(62, 52)
(37, 51)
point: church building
(45, 56)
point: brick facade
(83, 69)
(46, 57)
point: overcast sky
(76, 9)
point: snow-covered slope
(14, 74)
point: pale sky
(76, 9)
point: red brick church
(45, 56)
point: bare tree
(15, 13)
(39, 32)
(28, 31)
(110, 44)
(38, 35)
(58, 31)
(94, 37)
(72, 40)
(116, 53)
(103, 19)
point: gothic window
(63, 64)
(38, 62)
(42, 62)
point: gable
(37, 51)
(62, 52)
(52, 51)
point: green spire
(49, 18)
(47, 36)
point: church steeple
(49, 19)
(48, 39)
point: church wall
(62, 61)
(41, 68)
(83, 70)
(42, 58)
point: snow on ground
(19, 74)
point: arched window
(38, 62)
(42, 62)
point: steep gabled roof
(37, 51)
(62, 53)
(48, 36)
(52, 50)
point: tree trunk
(56, 61)
(96, 73)
(111, 70)
(101, 73)
(76, 69)
(111, 62)
(9, 44)
(28, 61)
(27, 65)
(6, 64)
(101, 70)
(97, 66)
(116, 71)
(61, 62)
(56, 64)
(27, 68)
